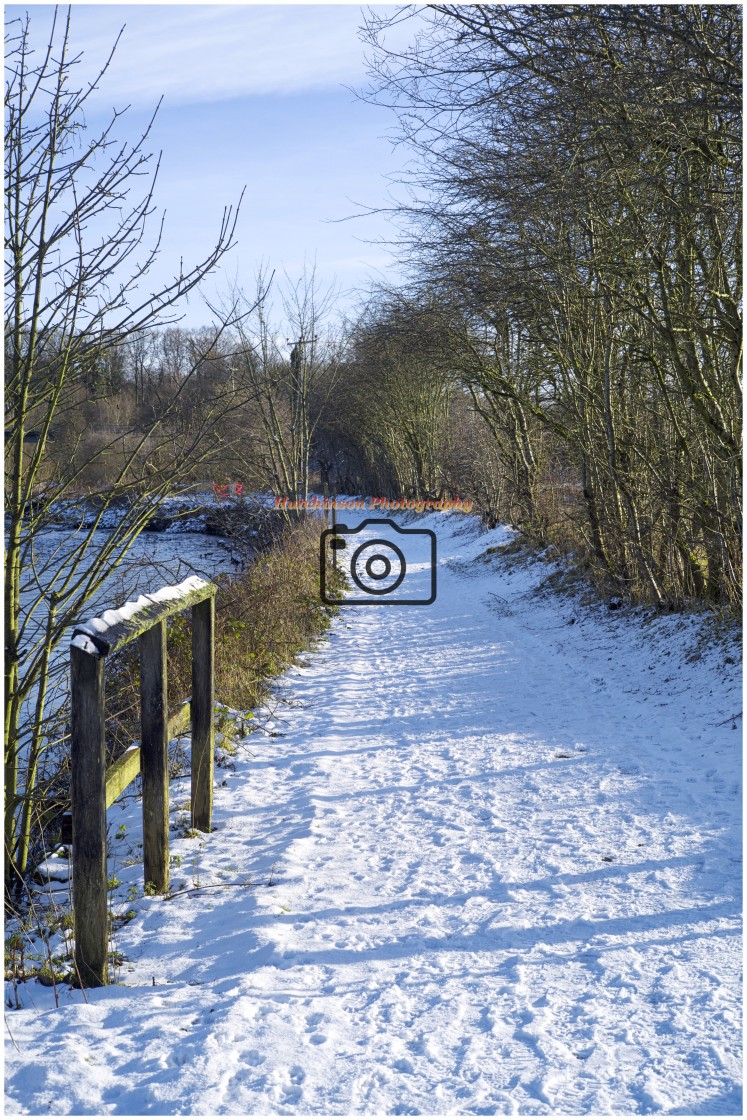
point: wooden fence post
(91, 645)
(88, 796)
(203, 701)
(154, 762)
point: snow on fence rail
(93, 787)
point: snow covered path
(495, 862)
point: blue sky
(254, 95)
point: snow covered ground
(484, 859)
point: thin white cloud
(206, 53)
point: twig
(730, 719)
(208, 887)
(10, 1032)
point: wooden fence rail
(94, 788)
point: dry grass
(264, 618)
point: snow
(189, 510)
(483, 857)
(82, 641)
(97, 627)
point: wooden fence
(94, 788)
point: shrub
(264, 618)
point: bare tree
(398, 392)
(577, 196)
(288, 369)
(76, 293)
